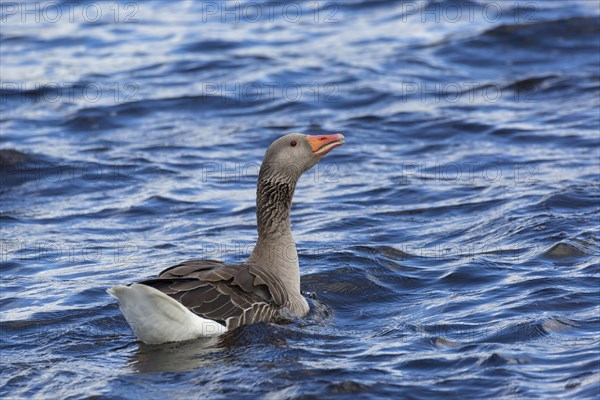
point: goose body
(207, 297)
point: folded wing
(231, 295)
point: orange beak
(323, 144)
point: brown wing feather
(232, 295)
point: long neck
(275, 248)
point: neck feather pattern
(275, 248)
(273, 203)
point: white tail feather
(157, 318)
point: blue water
(449, 249)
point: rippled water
(450, 248)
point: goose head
(293, 154)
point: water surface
(449, 249)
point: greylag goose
(205, 297)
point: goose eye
(293, 143)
